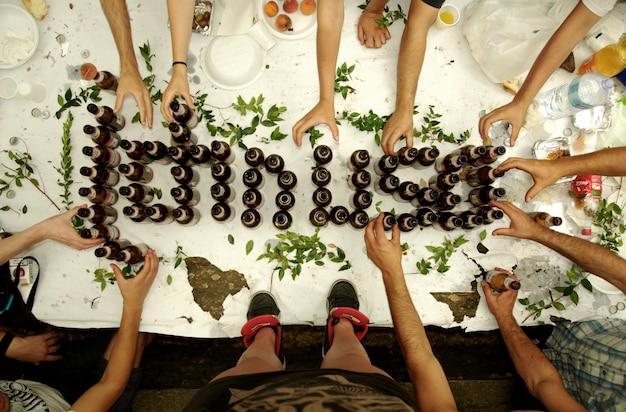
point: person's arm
(103, 394)
(428, 378)
(329, 23)
(130, 82)
(540, 376)
(590, 256)
(181, 19)
(369, 33)
(571, 31)
(34, 348)
(58, 228)
(410, 60)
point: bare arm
(571, 31)
(540, 376)
(329, 22)
(428, 378)
(410, 60)
(130, 82)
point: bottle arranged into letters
(181, 135)
(426, 156)
(251, 218)
(99, 194)
(359, 219)
(472, 152)
(322, 154)
(103, 79)
(448, 221)
(338, 215)
(407, 222)
(253, 178)
(101, 175)
(482, 195)
(102, 136)
(285, 200)
(138, 193)
(406, 192)
(287, 180)
(359, 159)
(183, 114)
(186, 215)
(102, 155)
(318, 217)
(184, 175)
(222, 172)
(132, 254)
(470, 219)
(361, 199)
(320, 176)
(222, 192)
(450, 163)
(387, 164)
(157, 151)
(443, 181)
(222, 212)
(134, 150)
(222, 152)
(482, 176)
(386, 185)
(322, 197)
(544, 219)
(488, 213)
(252, 199)
(200, 155)
(274, 164)
(426, 216)
(184, 195)
(500, 281)
(448, 200)
(135, 212)
(425, 197)
(180, 155)
(159, 213)
(105, 116)
(136, 172)
(254, 157)
(359, 179)
(282, 220)
(107, 232)
(388, 220)
(98, 214)
(493, 152)
(407, 156)
(111, 248)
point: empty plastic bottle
(584, 92)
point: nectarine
(271, 8)
(283, 22)
(307, 7)
(290, 6)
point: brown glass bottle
(338, 215)
(135, 212)
(320, 176)
(184, 175)
(544, 219)
(101, 175)
(318, 217)
(489, 214)
(426, 216)
(106, 232)
(359, 219)
(448, 221)
(500, 281)
(285, 200)
(186, 215)
(472, 152)
(106, 80)
(387, 164)
(322, 155)
(102, 155)
(287, 180)
(388, 220)
(426, 156)
(425, 197)
(407, 156)
(407, 222)
(359, 179)
(448, 200)
(443, 181)
(222, 152)
(386, 185)
(253, 178)
(222, 212)
(184, 195)
(254, 157)
(99, 195)
(322, 197)
(282, 220)
(134, 150)
(132, 254)
(252, 199)
(181, 135)
(361, 199)
(493, 153)
(157, 151)
(102, 136)
(406, 192)
(450, 163)
(98, 214)
(470, 219)
(159, 213)
(200, 155)
(251, 218)
(105, 116)
(222, 172)
(183, 114)
(136, 172)
(482, 195)
(274, 164)
(482, 176)
(111, 248)
(138, 193)
(180, 155)
(222, 192)
(359, 159)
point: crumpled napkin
(237, 17)
(14, 47)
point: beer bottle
(482, 176)
(322, 154)
(134, 150)
(426, 216)
(102, 136)
(359, 159)
(425, 197)
(320, 176)
(200, 154)
(274, 164)
(184, 195)
(132, 254)
(493, 152)
(322, 197)
(138, 193)
(387, 164)
(98, 214)
(472, 152)
(407, 156)
(184, 175)
(359, 179)
(482, 195)
(406, 192)
(407, 222)
(159, 213)
(287, 180)
(105, 116)
(387, 184)
(282, 220)
(181, 135)
(252, 199)
(388, 220)
(443, 181)
(183, 114)
(254, 157)
(500, 281)
(136, 172)
(426, 156)
(102, 156)
(101, 175)
(285, 200)
(111, 248)
(448, 221)
(135, 212)
(359, 219)
(450, 163)
(99, 194)
(106, 80)
(318, 217)
(253, 178)
(157, 151)
(251, 218)
(448, 200)
(361, 199)
(180, 155)
(544, 219)
(222, 152)
(339, 215)
(488, 213)
(107, 232)
(222, 192)
(470, 219)
(222, 212)
(186, 215)
(222, 172)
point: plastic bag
(506, 36)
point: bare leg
(347, 352)
(258, 358)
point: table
(451, 81)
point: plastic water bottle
(584, 92)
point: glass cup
(448, 16)
(8, 87)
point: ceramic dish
(602, 285)
(302, 25)
(233, 62)
(19, 36)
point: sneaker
(263, 312)
(343, 302)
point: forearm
(376, 6)
(14, 245)
(329, 22)
(116, 14)
(606, 162)
(181, 18)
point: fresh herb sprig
(66, 167)
(68, 100)
(610, 218)
(440, 255)
(370, 122)
(431, 129)
(314, 134)
(156, 95)
(342, 76)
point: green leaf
(574, 297)
(586, 284)
(249, 246)
(231, 239)
(169, 279)
(523, 301)
(483, 235)
(558, 306)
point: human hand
(385, 253)
(370, 34)
(543, 172)
(322, 113)
(399, 124)
(521, 226)
(135, 290)
(131, 84)
(500, 304)
(34, 348)
(59, 228)
(514, 113)
(178, 86)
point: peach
(271, 8)
(307, 7)
(290, 6)
(283, 22)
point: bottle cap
(586, 231)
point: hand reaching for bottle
(178, 86)
(521, 226)
(59, 228)
(322, 113)
(399, 124)
(135, 290)
(543, 172)
(131, 83)
(514, 113)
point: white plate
(233, 62)
(25, 33)
(302, 25)
(603, 286)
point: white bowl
(19, 36)
(233, 62)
